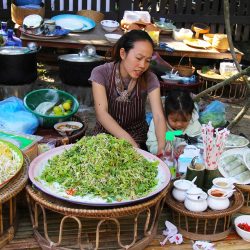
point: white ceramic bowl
(221, 182)
(242, 233)
(109, 25)
(67, 128)
(113, 38)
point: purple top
(101, 74)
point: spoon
(229, 192)
(194, 179)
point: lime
(66, 106)
(69, 101)
(57, 110)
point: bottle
(3, 30)
(169, 157)
(12, 40)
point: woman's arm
(102, 115)
(159, 118)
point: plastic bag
(14, 117)
(214, 112)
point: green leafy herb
(102, 166)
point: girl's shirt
(101, 74)
(193, 129)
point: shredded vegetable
(9, 162)
(102, 166)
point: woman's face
(178, 122)
(137, 60)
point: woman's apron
(129, 115)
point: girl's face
(136, 61)
(178, 122)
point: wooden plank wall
(55, 7)
(186, 12)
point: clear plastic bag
(14, 117)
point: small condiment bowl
(245, 235)
(67, 128)
(223, 183)
(180, 188)
(113, 38)
(218, 199)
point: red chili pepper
(71, 191)
(244, 226)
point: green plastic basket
(34, 98)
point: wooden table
(96, 37)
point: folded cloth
(171, 234)
(203, 245)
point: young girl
(180, 114)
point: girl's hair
(127, 42)
(180, 102)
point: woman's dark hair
(127, 42)
(180, 102)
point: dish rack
(209, 225)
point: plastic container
(36, 97)
(182, 34)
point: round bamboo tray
(208, 225)
(234, 92)
(245, 189)
(8, 211)
(146, 212)
(97, 16)
(51, 135)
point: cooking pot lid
(13, 50)
(80, 58)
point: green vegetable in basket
(102, 166)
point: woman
(120, 89)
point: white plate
(232, 141)
(246, 158)
(38, 164)
(236, 141)
(239, 153)
(197, 43)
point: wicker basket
(245, 189)
(18, 14)
(94, 15)
(185, 70)
(32, 152)
(208, 225)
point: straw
(214, 144)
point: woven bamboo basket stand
(97, 16)
(234, 92)
(41, 205)
(245, 189)
(8, 211)
(18, 14)
(185, 70)
(32, 152)
(51, 135)
(208, 225)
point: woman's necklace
(124, 94)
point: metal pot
(75, 69)
(18, 65)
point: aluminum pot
(75, 69)
(18, 65)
